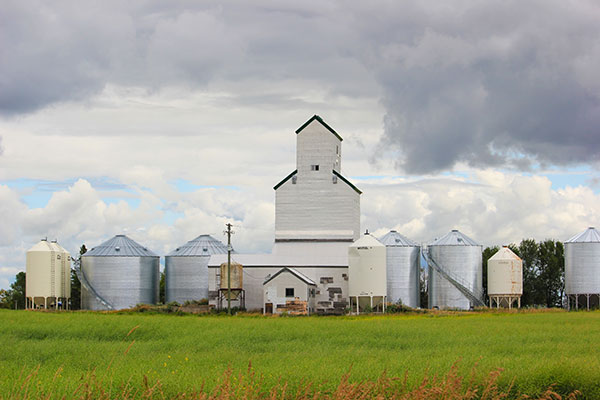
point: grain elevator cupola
(315, 202)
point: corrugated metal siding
(582, 268)
(186, 278)
(121, 281)
(462, 261)
(403, 269)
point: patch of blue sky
(371, 177)
(454, 174)
(36, 193)
(169, 217)
(185, 186)
(567, 176)
(37, 199)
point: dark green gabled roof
(284, 180)
(330, 129)
(346, 181)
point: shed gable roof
(316, 117)
(292, 271)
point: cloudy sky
(165, 120)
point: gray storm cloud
(498, 83)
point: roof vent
(145, 249)
(177, 249)
(454, 230)
(205, 249)
(393, 231)
(116, 248)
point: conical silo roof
(203, 245)
(120, 246)
(505, 254)
(393, 238)
(454, 238)
(367, 240)
(43, 246)
(590, 235)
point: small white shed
(289, 290)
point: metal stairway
(88, 287)
(475, 296)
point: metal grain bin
(582, 268)
(120, 273)
(459, 257)
(403, 268)
(186, 269)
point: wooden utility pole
(229, 232)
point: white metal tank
(459, 257)
(403, 259)
(582, 268)
(367, 275)
(186, 269)
(505, 278)
(119, 273)
(48, 271)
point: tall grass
(249, 386)
(70, 354)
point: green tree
(551, 272)
(423, 292)
(162, 289)
(18, 291)
(76, 284)
(528, 250)
(15, 296)
(4, 298)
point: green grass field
(536, 349)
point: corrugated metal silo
(505, 278)
(48, 269)
(367, 276)
(186, 269)
(119, 273)
(403, 259)
(582, 269)
(455, 273)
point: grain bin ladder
(475, 296)
(88, 287)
